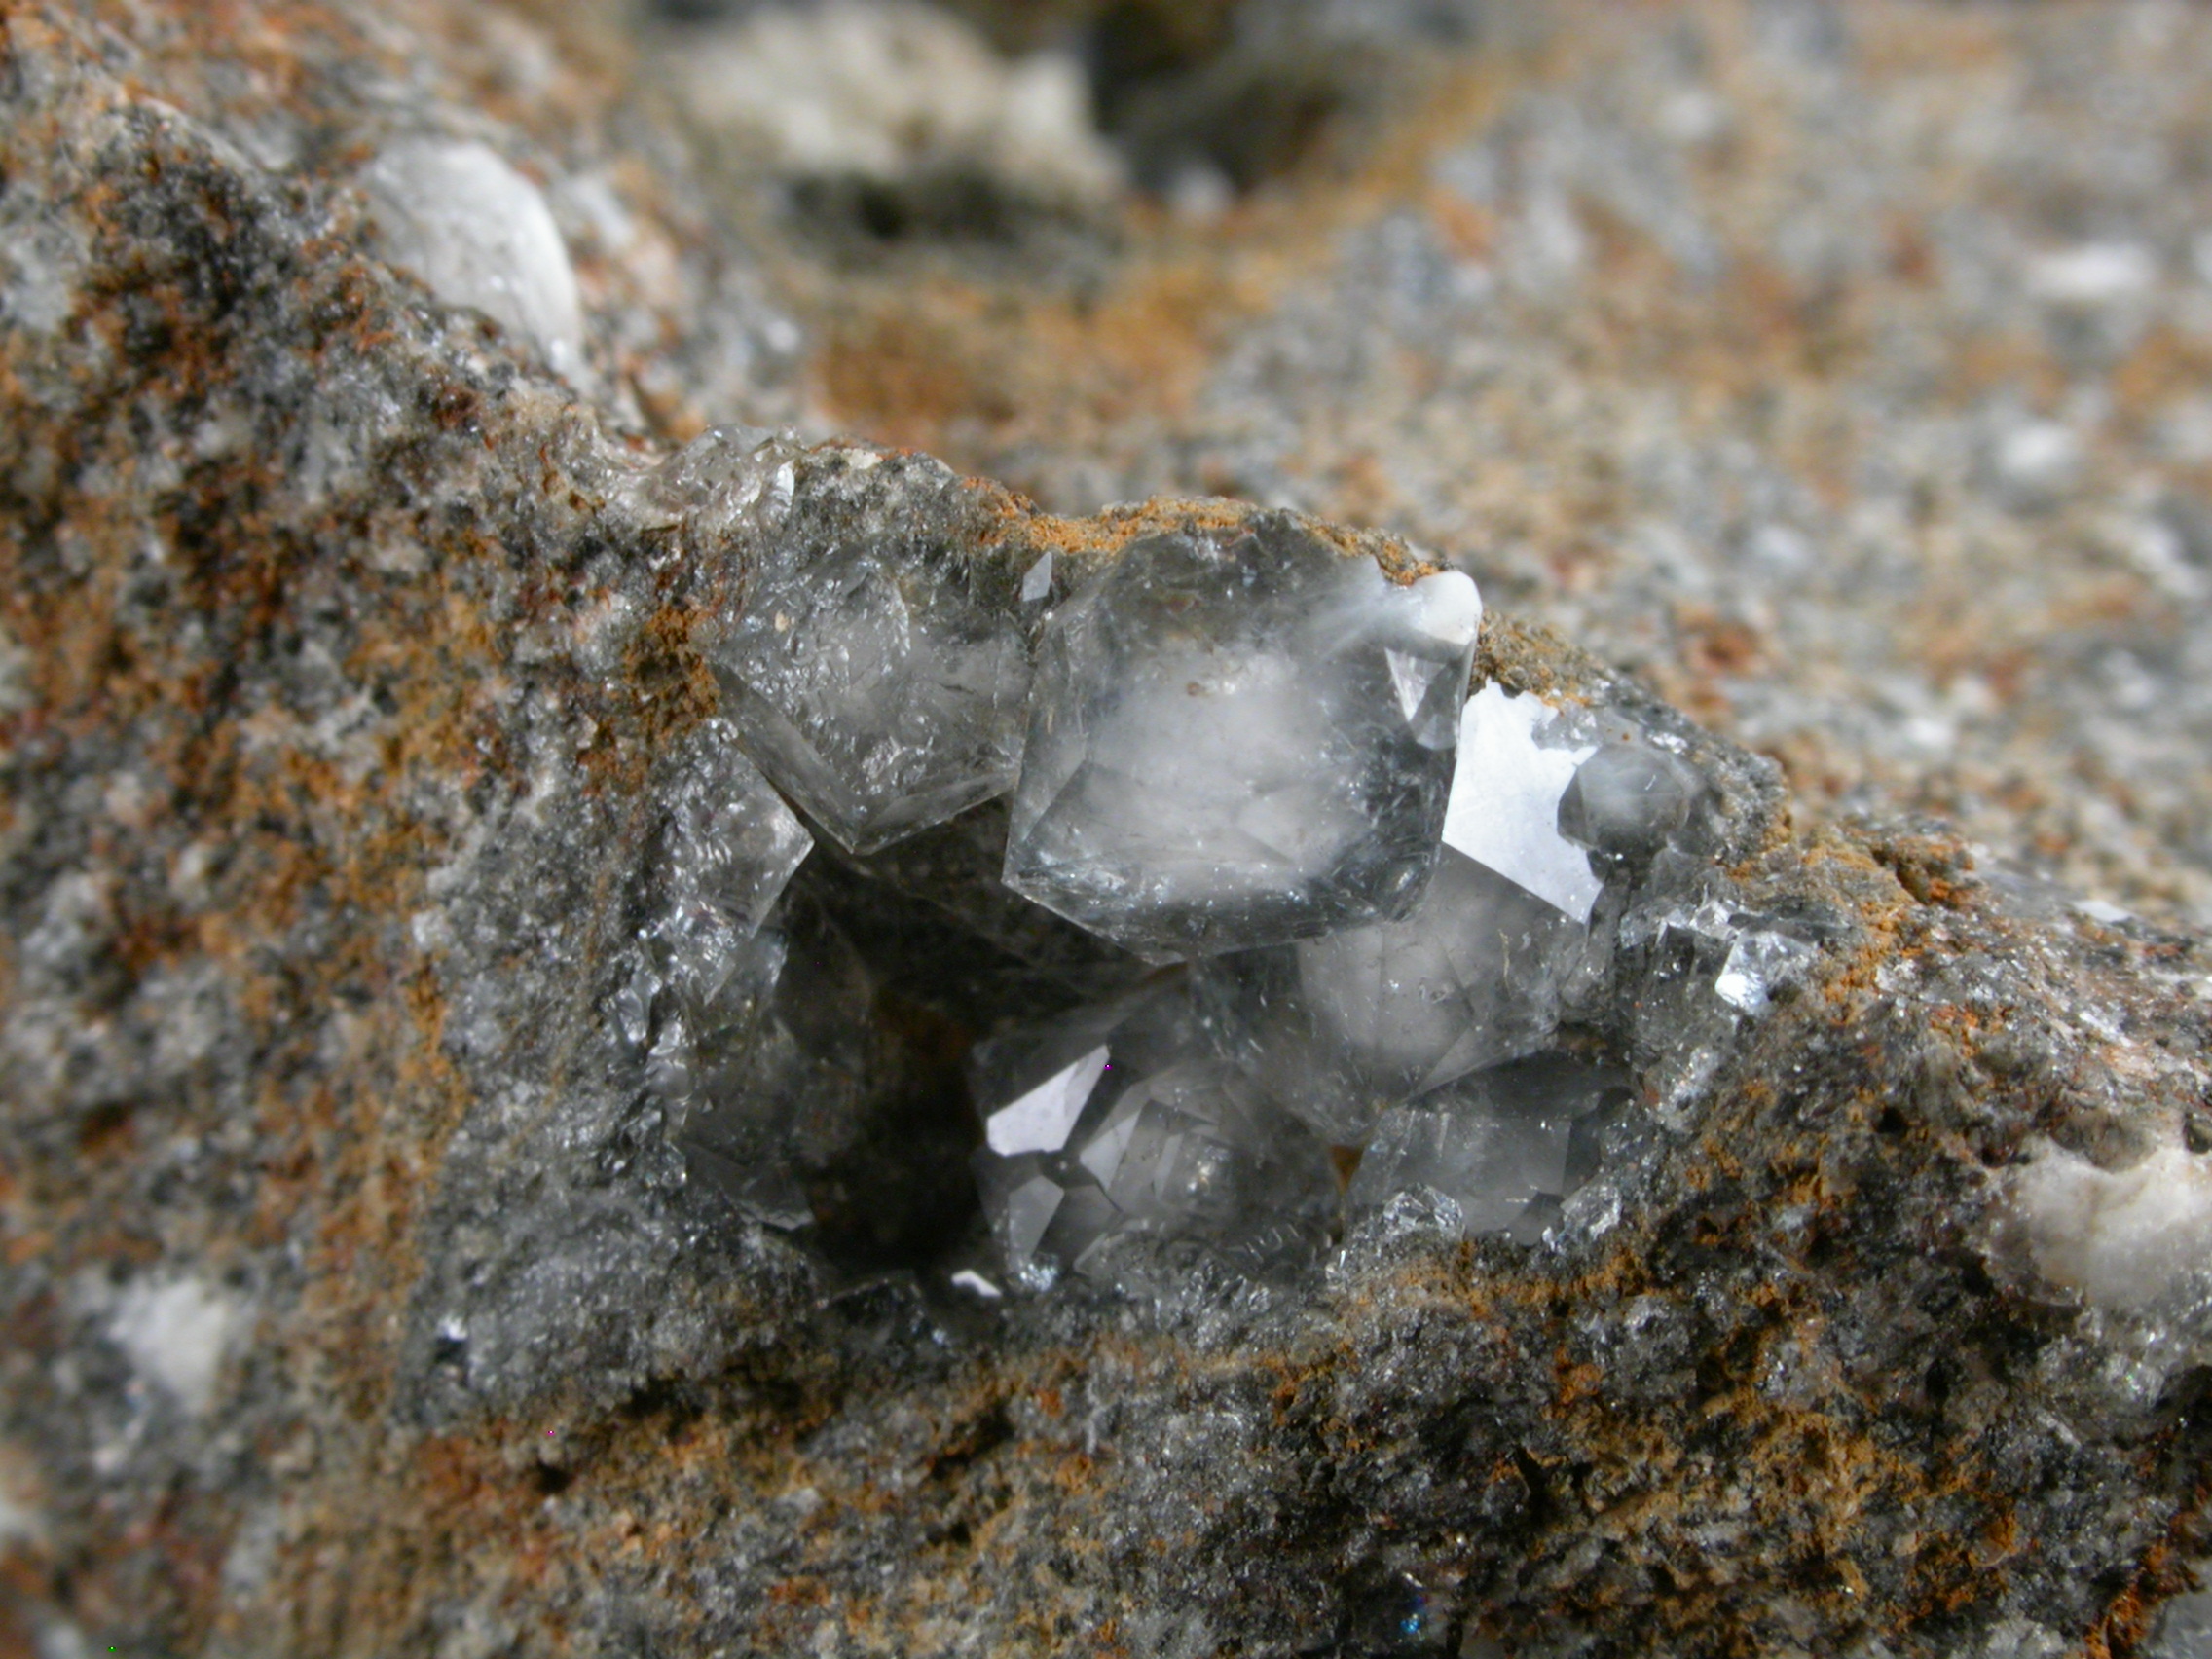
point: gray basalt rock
(365, 1287)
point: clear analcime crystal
(1342, 1027)
(877, 674)
(1240, 741)
(724, 851)
(1505, 1146)
(1119, 1120)
(773, 1095)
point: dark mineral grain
(357, 1297)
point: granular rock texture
(364, 1288)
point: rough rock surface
(356, 1299)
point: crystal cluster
(1117, 1122)
(1385, 916)
(750, 1031)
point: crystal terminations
(356, 1298)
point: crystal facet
(1240, 743)
(1341, 1027)
(1504, 808)
(773, 1092)
(875, 684)
(1504, 1146)
(1118, 1121)
(726, 849)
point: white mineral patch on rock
(2128, 1242)
(1505, 795)
(886, 91)
(176, 1333)
(479, 234)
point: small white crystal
(975, 1284)
(1505, 798)
(1037, 582)
(479, 234)
(1758, 962)
(177, 1334)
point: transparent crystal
(1120, 1119)
(1628, 799)
(773, 1093)
(725, 850)
(1240, 743)
(1502, 1144)
(478, 234)
(1341, 1027)
(878, 677)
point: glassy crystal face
(1342, 1027)
(725, 853)
(777, 1090)
(875, 684)
(1504, 1146)
(1240, 744)
(1516, 764)
(1119, 1120)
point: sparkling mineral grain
(1118, 1121)
(1240, 741)
(874, 678)
(727, 847)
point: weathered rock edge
(341, 654)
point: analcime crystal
(1240, 740)
(1118, 1121)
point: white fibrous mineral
(1342, 1027)
(1241, 741)
(1118, 1122)
(1504, 1146)
(726, 848)
(479, 234)
(876, 682)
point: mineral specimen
(1118, 1121)
(1239, 741)
(726, 847)
(362, 1291)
